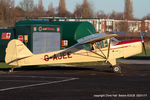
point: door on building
(46, 41)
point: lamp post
(9, 16)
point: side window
(105, 43)
(102, 44)
(99, 44)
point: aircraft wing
(95, 38)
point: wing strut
(108, 53)
(102, 53)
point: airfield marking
(21, 81)
(34, 76)
(34, 85)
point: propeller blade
(143, 43)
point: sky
(141, 7)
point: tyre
(116, 69)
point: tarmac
(76, 83)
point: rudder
(15, 51)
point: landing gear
(116, 69)
(11, 70)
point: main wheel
(116, 69)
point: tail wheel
(11, 70)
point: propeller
(141, 34)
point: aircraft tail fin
(15, 51)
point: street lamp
(9, 16)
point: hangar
(41, 36)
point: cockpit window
(102, 44)
(114, 41)
(106, 43)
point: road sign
(20, 37)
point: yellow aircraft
(103, 48)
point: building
(146, 26)
(111, 25)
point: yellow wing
(95, 38)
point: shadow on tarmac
(103, 68)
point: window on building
(146, 30)
(109, 23)
(146, 24)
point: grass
(143, 53)
(4, 65)
(142, 56)
(88, 64)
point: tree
(86, 10)
(38, 10)
(51, 10)
(27, 6)
(35, 11)
(128, 11)
(112, 15)
(19, 12)
(147, 17)
(116, 15)
(62, 11)
(123, 26)
(40, 6)
(5, 10)
(101, 14)
(77, 11)
(62, 8)
(119, 16)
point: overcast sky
(141, 7)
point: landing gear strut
(11, 70)
(116, 69)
